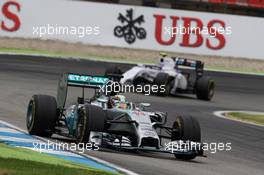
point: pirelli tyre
(113, 70)
(162, 80)
(90, 118)
(41, 115)
(114, 73)
(186, 128)
(205, 88)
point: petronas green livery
(111, 120)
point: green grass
(254, 118)
(25, 167)
(117, 59)
(21, 161)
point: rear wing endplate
(196, 64)
(77, 80)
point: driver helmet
(120, 101)
(161, 61)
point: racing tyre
(91, 118)
(114, 73)
(205, 88)
(163, 79)
(41, 115)
(113, 70)
(186, 128)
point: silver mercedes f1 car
(110, 120)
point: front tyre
(162, 80)
(113, 70)
(41, 115)
(186, 128)
(90, 118)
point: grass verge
(21, 161)
(252, 118)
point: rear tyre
(205, 88)
(163, 81)
(41, 115)
(186, 128)
(91, 118)
(113, 70)
(114, 73)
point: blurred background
(240, 7)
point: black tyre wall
(94, 119)
(44, 115)
(113, 70)
(205, 88)
(163, 79)
(189, 129)
(97, 118)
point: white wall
(246, 38)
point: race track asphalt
(23, 76)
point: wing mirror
(102, 100)
(142, 106)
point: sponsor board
(134, 27)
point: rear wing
(77, 80)
(87, 81)
(196, 64)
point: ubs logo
(130, 28)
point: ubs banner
(134, 27)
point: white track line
(221, 115)
(49, 151)
(14, 139)
(118, 168)
(3, 129)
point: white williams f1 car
(169, 73)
